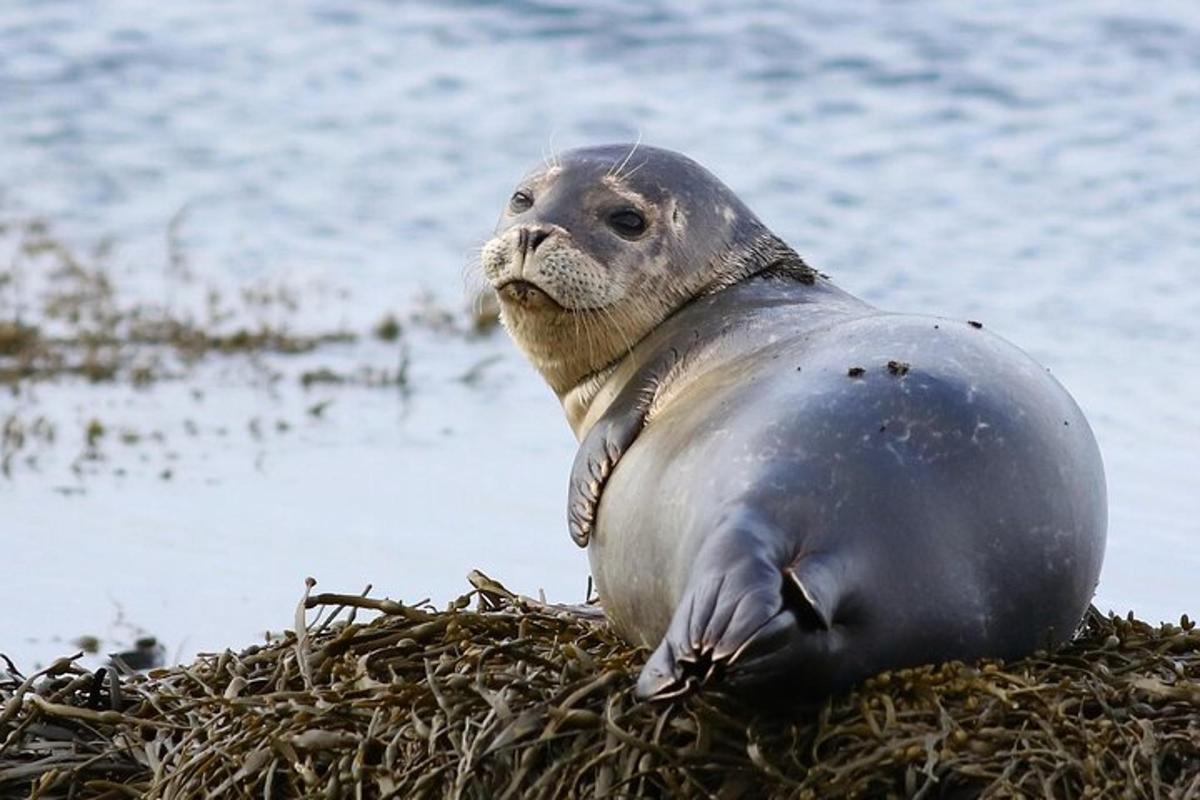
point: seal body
(809, 525)
(780, 486)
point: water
(1030, 166)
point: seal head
(596, 249)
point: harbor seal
(781, 487)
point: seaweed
(86, 323)
(504, 696)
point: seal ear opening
(811, 590)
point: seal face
(779, 485)
(594, 251)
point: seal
(781, 487)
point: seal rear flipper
(752, 621)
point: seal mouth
(527, 295)
(519, 291)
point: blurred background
(326, 171)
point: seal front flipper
(753, 621)
(598, 454)
(610, 438)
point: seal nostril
(536, 237)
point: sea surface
(1030, 165)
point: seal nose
(532, 237)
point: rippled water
(1029, 165)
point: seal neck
(577, 400)
(700, 339)
(766, 256)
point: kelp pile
(503, 696)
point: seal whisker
(629, 174)
(472, 269)
(616, 172)
(589, 331)
(554, 163)
(587, 344)
(578, 324)
(616, 325)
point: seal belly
(652, 515)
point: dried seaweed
(501, 696)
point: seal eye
(628, 223)
(520, 201)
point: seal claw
(580, 531)
(747, 621)
(660, 678)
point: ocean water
(1029, 165)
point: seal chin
(527, 296)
